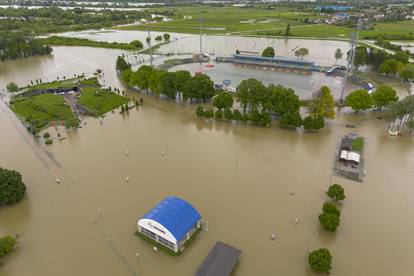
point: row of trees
(270, 52)
(320, 260)
(17, 45)
(170, 84)
(360, 100)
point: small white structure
(171, 223)
(350, 156)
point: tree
(302, 52)
(148, 39)
(359, 100)
(12, 87)
(6, 245)
(402, 57)
(248, 93)
(141, 77)
(376, 58)
(290, 120)
(391, 66)
(312, 122)
(167, 84)
(331, 208)
(336, 192)
(219, 114)
(284, 100)
(137, 44)
(384, 95)
(209, 113)
(12, 188)
(322, 103)
(407, 72)
(361, 57)
(154, 81)
(329, 221)
(158, 38)
(166, 36)
(320, 260)
(182, 77)
(223, 100)
(268, 52)
(287, 31)
(204, 86)
(122, 65)
(338, 54)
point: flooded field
(246, 181)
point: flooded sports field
(247, 182)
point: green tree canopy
(141, 77)
(377, 57)
(284, 100)
(12, 87)
(359, 100)
(268, 52)
(338, 54)
(182, 76)
(407, 72)
(121, 64)
(329, 221)
(200, 87)
(200, 112)
(313, 122)
(290, 120)
(12, 188)
(223, 100)
(168, 84)
(320, 260)
(331, 208)
(402, 57)
(322, 103)
(158, 38)
(137, 44)
(391, 66)
(166, 36)
(336, 192)
(383, 96)
(361, 57)
(248, 93)
(302, 52)
(6, 245)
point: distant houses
(171, 223)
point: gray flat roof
(220, 261)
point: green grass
(73, 41)
(55, 84)
(99, 101)
(219, 20)
(358, 144)
(90, 82)
(40, 110)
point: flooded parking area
(246, 181)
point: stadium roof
(176, 215)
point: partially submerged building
(170, 223)
(348, 161)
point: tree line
(18, 45)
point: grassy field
(219, 20)
(100, 101)
(264, 22)
(69, 83)
(38, 111)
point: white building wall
(157, 228)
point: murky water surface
(246, 181)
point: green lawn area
(90, 82)
(100, 101)
(358, 144)
(219, 20)
(56, 84)
(39, 110)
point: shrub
(219, 114)
(46, 135)
(228, 115)
(200, 111)
(209, 113)
(6, 245)
(320, 260)
(12, 188)
(237, 115)
(49, 142)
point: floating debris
(273, 236)
(162, 153)
(155, 248)
(296, 221)
(127, 152)
(57, 180)
(127, 178)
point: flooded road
(246, 181)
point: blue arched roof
(175, 214)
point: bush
(313, 122)
(209, 114)
(158, 38)
(331, 208)
(12, 87)
(336, 192)
(46, 135)
(49, 142)
(320, 260)
(12, 188)
(6, 245)
(237, 115)
(200, 111)
(218, 115)
(290, 120)
(228, 115)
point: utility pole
(201, 40)
(351, 57)
(149, 44)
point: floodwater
(246, 181)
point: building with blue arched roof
(171, 223)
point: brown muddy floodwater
(247, 182)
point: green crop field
(100, 101)
(39, 110)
